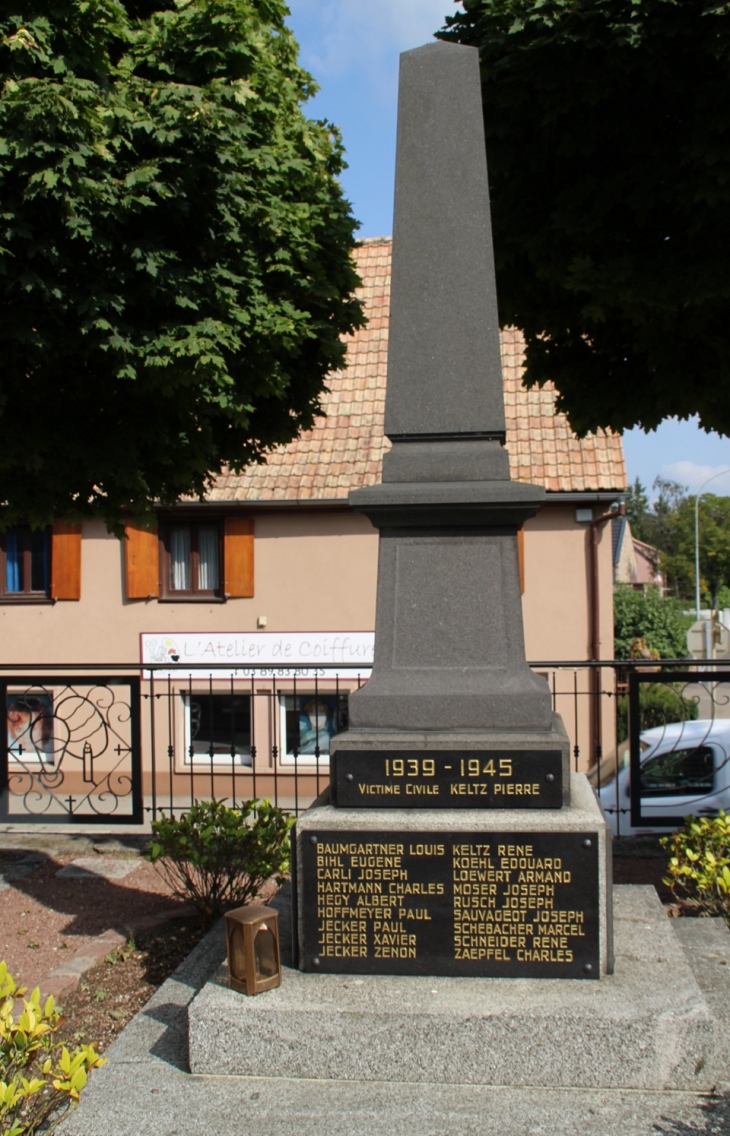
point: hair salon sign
(287, 654)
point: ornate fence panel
(71, 750)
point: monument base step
(649, 1026)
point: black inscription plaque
(508, 905)
(448, 779)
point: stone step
(646, 1027)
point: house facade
(275, 559)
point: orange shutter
(238, 556)
(66, 562)
(141, 563)
(521, 557)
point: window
(29, 721)
(310, 720)
(191, 561)
(26, 563)
(676, 774)
(191, 558)
(217, 728)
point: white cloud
(694, 476)
(337, 36)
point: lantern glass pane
(237, 956)
(264, 950)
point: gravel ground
(46, 917)
(110, 994)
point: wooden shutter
(66, 562)
(521, 557)
(141, 563)
(238, 556)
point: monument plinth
(452, 844)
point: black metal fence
(118, 745)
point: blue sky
(352, 47)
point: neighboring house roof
(618, 532)
(647, 563)
(344, 450)
(634, 561)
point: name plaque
(490, 904)
(447, 779)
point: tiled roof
(344, 450)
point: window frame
(288, 757)
(27, 596)
(194, 594)
(201, 761)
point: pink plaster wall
(315, 570)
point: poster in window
(30, 726)
(313, 720)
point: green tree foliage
(175, 250)
(637, 509)
(669, 525)
(714, 542)
(645, 615)
(655, 523)
(608, 127)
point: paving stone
(96, 867)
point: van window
(678, 773)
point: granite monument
(456, 840)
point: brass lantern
(252, 945)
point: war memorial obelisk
(455, 842)
(457, 853)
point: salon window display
(30, 721)
(311, 720)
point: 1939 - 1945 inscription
(463, 903)
(447, 779)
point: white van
(685, 770)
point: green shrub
(659, 703)
(648, 615)
(40, 1079)
(699, 864)
(218, 857)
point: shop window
(29, 725)
(309, 721)
(217, 728)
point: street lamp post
(697, 549)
